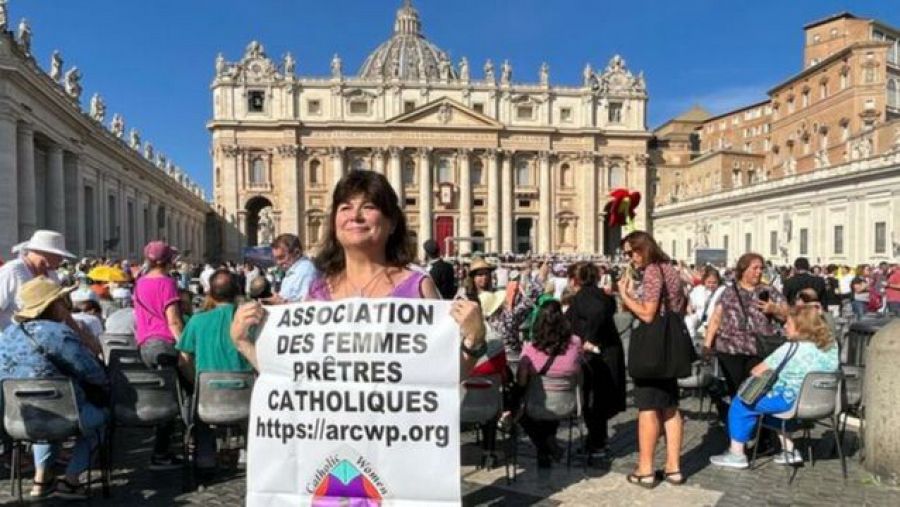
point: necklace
(360, 291)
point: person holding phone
(743, 309)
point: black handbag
(765, 343)
(661, 348)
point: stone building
(63, 169)
(812, 170)
(522, 166)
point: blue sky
(153, 60)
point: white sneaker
(789, 458)
(730, 460)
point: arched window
(475, 173)
(617, 177)
(523, 173)
(315, 176)
(218, 176)
(892, 93)
(444, 170)
(565, 175)
(258, 172)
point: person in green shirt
(205, 345)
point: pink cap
(159, 251)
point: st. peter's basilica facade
(526, 167)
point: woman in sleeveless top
(656, 399)
(365, 254)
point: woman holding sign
(366, 254)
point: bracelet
(474, 353)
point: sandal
(675, 478)
(641, 480)
(77, 491)
(43, 489)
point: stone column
(588, 203)
(9, 189)
(291, 201)
(395, 172)
(507, 191)
(882, 382)
(26, 181)
(56, 195)
(378, 155)
(544, 218)
(74, 206)
(465, 199)
(139, 226)
(639, 179)
(493, 181)
(425, 198)
(337, 166)
(231, 181)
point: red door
(443, 228)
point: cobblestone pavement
(599, 484)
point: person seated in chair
(554, 352)
(39, 344)
(206, 345)
(816, 352)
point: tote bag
(661, 348)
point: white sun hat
(49, 242)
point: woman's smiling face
(359, 223)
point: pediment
(445, 112)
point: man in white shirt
(299, 271)
(40, 255)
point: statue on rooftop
(25, 36)
(73, 83)
(56, 63)
(98, 108)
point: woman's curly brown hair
(552, 331)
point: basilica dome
(407, 55)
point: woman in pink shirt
(158, 325)
(553, 352)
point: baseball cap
(159, 251)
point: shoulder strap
(792, 349)
(706, 306)
(748, 324)
(547, 364)
(664, 291)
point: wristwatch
(475, 353)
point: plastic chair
(43, 411)
(852, 401)
(142, 397)
(220, 399)
(556, 399)
(481, 402)
(223, 398)
(819, 398)
(110, 343)
(701, 377)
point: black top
(442, 273)
(801, 281)
(591, 314)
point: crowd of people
(520, 317)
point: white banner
(357, 403)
